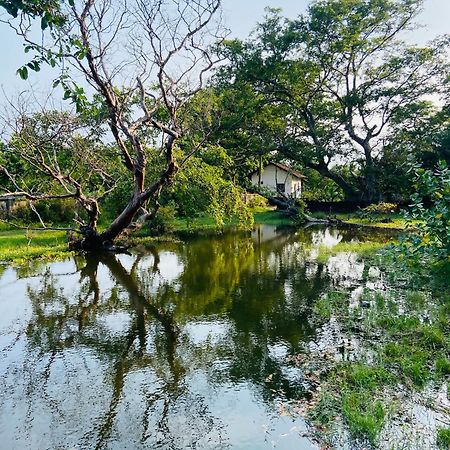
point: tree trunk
(371, 193)
(94, 241)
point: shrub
(381, 208)
(430, 215)
(50, 211)
(163, 220)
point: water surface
(181, 345)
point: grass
(362, 248)
(19, 246)
(443, 438)
(272, 217)
(406, 339)
(390, 221)
(364, 417)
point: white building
(279, 178)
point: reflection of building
(279, 178)
(270, 234)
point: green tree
(142, 93)
(342, 74)
(430, 211)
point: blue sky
(241, 17)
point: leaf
(23, 73)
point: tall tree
(144, 60)
(342, 73)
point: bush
(373, 211)
(200, 189)
(163, 220)
(381, 208)
(430, 215)
(50, 211)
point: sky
(241, 16)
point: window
(281, 187)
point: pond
(188, 344)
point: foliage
(202, 189)
(430, 211)
(443, 438)
(149, 117)
(376, 211)
(332, 82)
(319, 188)
(163, 222)
(47, 10)
(380, 208)
(53, 212)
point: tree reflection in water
(147, 350)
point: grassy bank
(391, 221)
(19, 246)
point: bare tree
(144, 60)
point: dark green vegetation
(321, 89)
(443, 439)
(336, 94)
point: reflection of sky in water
(202, 332)
(327, 237)
(184, 346)
(345, 269)
(116, 322)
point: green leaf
(23, 73)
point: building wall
(273, 175)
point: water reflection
(184, 345)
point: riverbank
(18, 246)
(390, 221)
